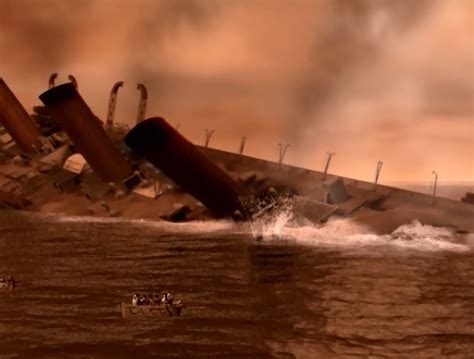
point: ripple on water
(311, 292)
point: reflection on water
(260, 299)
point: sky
(371, 80)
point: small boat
(151, 310)
(8, 284)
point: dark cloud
(348, 75)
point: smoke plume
(368, 79)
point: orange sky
(370, 80)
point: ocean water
(300, 291)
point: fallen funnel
(72, 114)
(17, 122)
(159, 143)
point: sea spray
(347, 233)
(341, 233)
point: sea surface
(301, 291)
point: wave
(340, 233)
(199, 227)
(348, 233)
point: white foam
(346, 233)
(340, 233)
(198, 227)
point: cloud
(369, 79)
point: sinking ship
(64, 159)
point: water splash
(275, 226)
(416, 230)
(346, 233)
(340, 233)
(416, 235)
(198, 227)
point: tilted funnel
(159, 143)
(72, 114)
(17, 122)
